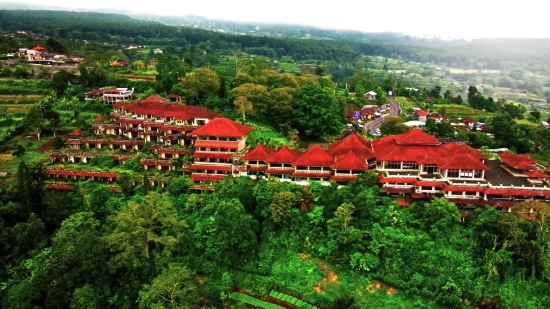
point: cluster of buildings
(40, 55)
(412, 165)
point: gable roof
(421, 113)
(222, 127)
(462, 161)
(314, 156)
(465, 149)
(356, 143)
(159, 107)
(283, 155)
(38, 48)
(77, 132)
(350, 161)
(536, 174)
(416, 137)
(520, 161)
(468, 120)
(99, 119)
(260, 153)
(155, 98)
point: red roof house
(421, 113)
(222, 127)
(260, 153)
(356, 143)
(77, 132)
(39, 48)
(468, 120)
(315, 156)
(99, 119)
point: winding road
(373, 125)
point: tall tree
(34, 121)
(316, 112)
(174, 288)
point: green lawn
(527, 122)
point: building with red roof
(110, 95)
(155, 119)
(216, 144)
(256, 160)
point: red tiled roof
(368, 111)
(222, 127)
(257, 168)
(77, 132)
(99, 119)
(209, 167)
(216, 144)
(115, 190)
(212, 178)
(513, 192)
(38, 48)
(311, 174)
(426, 183)
(520, 162)
(464, 162)
(315, 156)
(403, 203)
(212, 155)
(405, 180)
(465, 149)
(276, 171)
(468, 120)
(344, 178)
(173, 96)
(155, 98)
(56, 186)
(463, 189)
(421, 113)
(260, 153)
(416, 137)
(398, 190)
(350, 161)
(536, 174)
(157, 106)
(355, 143)
(411, 153)
(283, 155)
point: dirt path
(379, 286)
(330, 275)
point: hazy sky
(457, 19)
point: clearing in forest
(330, 275)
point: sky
(447, 19)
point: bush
(103, 161)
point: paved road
(373, 125)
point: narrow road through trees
(373, 125)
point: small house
(422, 116)
(371, 95)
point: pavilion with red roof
(39, 48)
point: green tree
(168, 74)
(142, 227)
(393, 125)
(174, 288)
(316, 112)
(34, 120)
(359, 90)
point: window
(452, 173)
(466, 174)
(429, 168)
(393, 165)
(253, 162)
(410, 165)
(478, 174)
